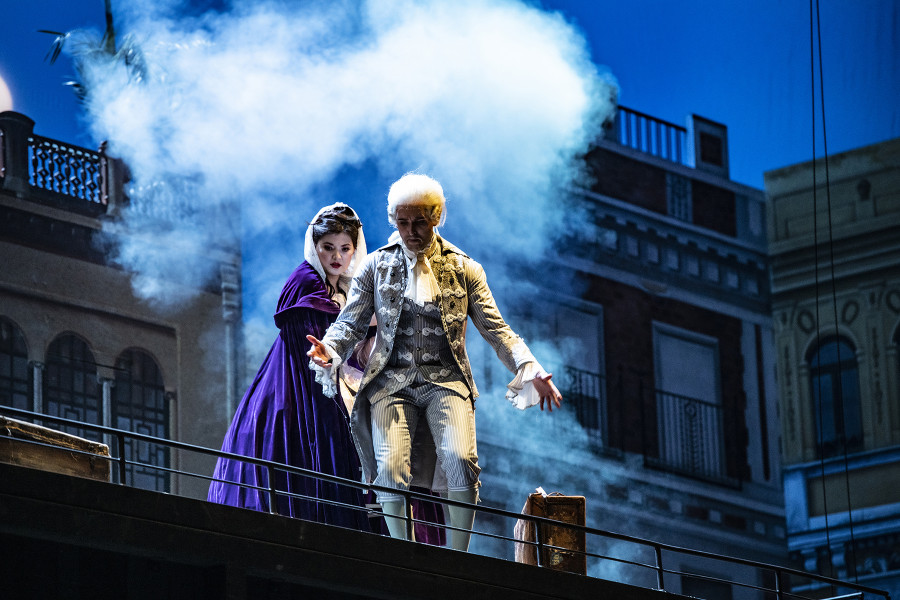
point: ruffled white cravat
(422, 286)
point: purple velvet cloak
(285, 418)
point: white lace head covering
(312, 257)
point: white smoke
(262, 106)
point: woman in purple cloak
(284, 417)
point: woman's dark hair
(338, 219)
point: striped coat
(378, 289)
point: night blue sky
(744, 64)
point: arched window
(834, 377)
(71, 389)
(15, 384)
(140, 405)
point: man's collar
(432, 247)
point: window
(679, 197)
(834, 378)
(711, 149)
(70, 386)
(568, 342)
(580, 335)
(689, 412)
(15, 384)
(140, 405)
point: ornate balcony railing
(691, 437)
(651, 135)
(53, 172)
(65, 169)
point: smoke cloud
(273, 106)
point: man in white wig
(418, 380)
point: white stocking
(461, 518)
(393, 515)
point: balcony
(56, 173)
(702, 145)
(690, 435)
(681, 435)
(585, 394)
(650, 135)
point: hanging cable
(816, 43)
(818, 377)
(834, 292)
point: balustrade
(48, 170)
(65, 169)
(651, 135)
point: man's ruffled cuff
(520, 391)
(327, 377)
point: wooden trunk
(29, 445)
(567, 509)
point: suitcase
(29, 445)
(567, 509)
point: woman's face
(335, 252)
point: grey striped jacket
(378, 289)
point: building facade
(660, 315)
(75, 340)
(836, 300)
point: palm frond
(56, 46)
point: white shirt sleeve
(328, 376)
(520, 391)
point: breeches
(448, 415)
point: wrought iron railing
(65, 169)
(651, 135)
(691, 437)
(585, 394)
(650, 562)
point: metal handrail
(540, 544)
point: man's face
(414, 227)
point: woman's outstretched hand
(318, 352)
(547, 390)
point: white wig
(312, 257)
(418, 190)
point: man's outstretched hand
(547, 391)
(318, 352)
